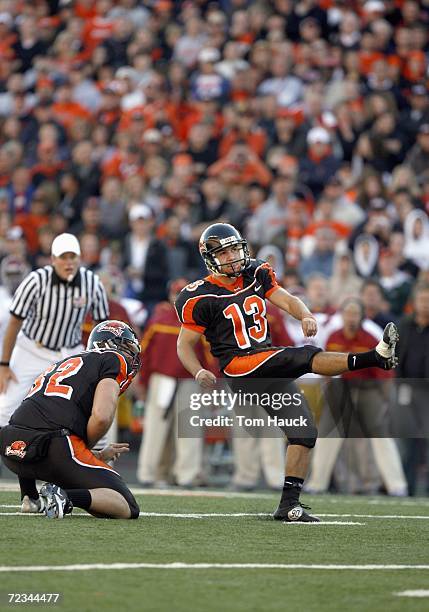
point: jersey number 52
(53, 387)
(252, 305)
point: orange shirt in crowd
(256, 140)
(249, 172)
(66, 113)
(121, 166)
(96, 30)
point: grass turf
(35, 541)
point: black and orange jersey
(63, 395)
(232, 317)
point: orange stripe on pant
(245, 364)
(84, 456)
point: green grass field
(33, 542)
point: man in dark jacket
(412, 394)
(145, 258)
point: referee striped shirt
(54, 309)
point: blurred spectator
(416, 234)
(183, 257)
(418, 156)
(202, 147)
(396, 284)
(321, 259)
(417, 114)
(377, 308)
(344, 281)
(189, 45)
(317, 167)
(285, 86)
(112, 208)
(72, 200)
(206, 83)
(145, 258)
(85, 170)
(241, 165)
(397, 246)
(271, 217)
(20, 191)
(412, 396)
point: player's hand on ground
(6, 375)
(113, 451)
(309, 326)
(205, 378)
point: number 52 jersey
(232, 317)
(62, 396)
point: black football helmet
(220, 236)
(119, 336)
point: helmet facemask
(211, 259)
(130, 350)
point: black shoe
(57, 503)
(386, 349)
(294, 514)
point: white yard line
(179, 565)
(415, 593)
(198, 515)
(379, 516)
(11, 487)
(194, 515)
(240, 514)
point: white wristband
(199, 372)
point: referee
(45, 323)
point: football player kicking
(69, 408)
(228, 307)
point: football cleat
(294, 514)
(32, 506)
(57, 503)
(386, 348)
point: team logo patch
(17, 449)
(79, 302)
(115, 328)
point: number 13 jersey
(232, 317)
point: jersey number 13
(255, 306)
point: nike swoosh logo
(257, 287)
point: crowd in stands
(134, 124)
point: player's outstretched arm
(186, 352)
(103, 410)
(295, 307)
(12, 329)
